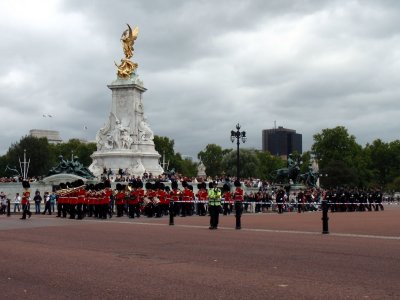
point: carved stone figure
(145, 133)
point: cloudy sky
(308, 65)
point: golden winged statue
(127, 67)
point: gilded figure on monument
(127, 67)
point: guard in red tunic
(175, 197)
(132, 201)
(227, 199)
(202, 197)
(238, 197)
(162, 207)
(25, 200)
(186, 199)
(120, 200)
(107, 193)
(140, 197)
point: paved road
(273, 257)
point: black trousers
(214, 215)
(238, 213)
(26, 211)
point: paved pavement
(272, 257)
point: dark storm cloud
(307, 65)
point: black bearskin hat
(149, 186)
(119, 187)
(26, 184)
(226, 188)
(184, 184)
(107, 183)
(237, 183)
(174, 185)
(139, 184)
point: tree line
(342, 161)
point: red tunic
(228, 197)
(202, 195)
(25, 197)
(238, 194)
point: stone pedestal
(126, 140)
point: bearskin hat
(62, 186)
(184, 184)
(237, 183)
(107, 183)
(174, 185)
(119, 187)
(203, 185)
(226, 187)
(190, 187)
(148, 186)
(167, 189)
(26, 184)
(199, 186)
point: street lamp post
(237, 135)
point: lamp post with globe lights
(238, 135)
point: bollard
(325, 229)
(8, 207)
(171, 212)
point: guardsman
(107, 193)
(186, 198)
(25, 200)
(81, 194)
(238, 196)
(162, 207)
(120, 200)
(202, 197)
(214, 204)
(176, 197)
(140, 197)
(227, 199)
(132, 201)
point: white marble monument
(126, 140)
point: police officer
(214, 204)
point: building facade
(281, 141)
(52, 136)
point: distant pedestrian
(47, 203)
(38, 200)
(3, 203)
(17, 202)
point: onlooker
(38, 200)
(3, 207)
(17, 202)
(47, 203)
(53, 198)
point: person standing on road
(38, 200)
(17, 203)
(214, 204)
(238, 196)
(47, 206)
(26, 195)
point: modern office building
(281, 141)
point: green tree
(76, 148)
(268, 163)
(340, 157)
(383, 161)
(37, 151)
(211, 157)
(248, 160)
